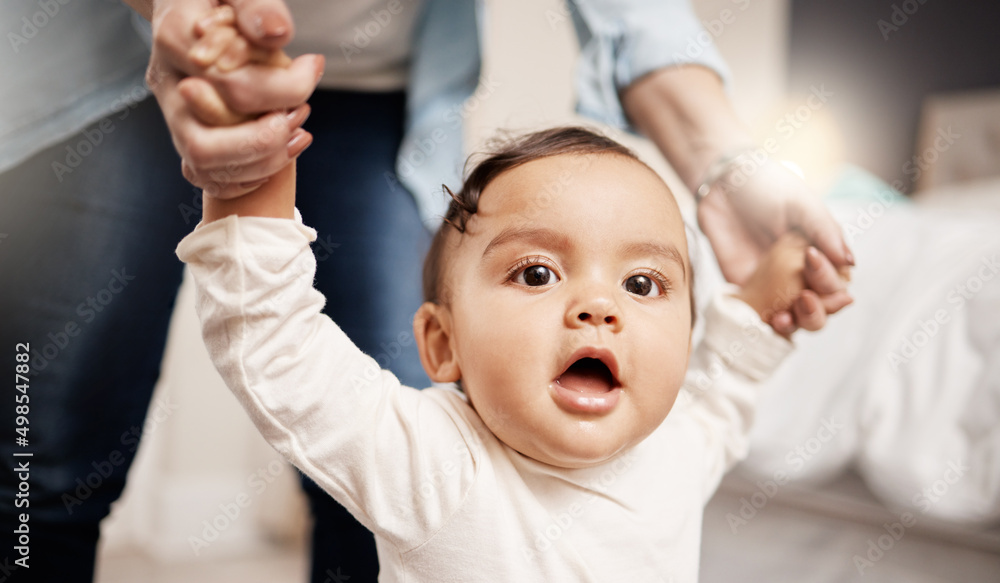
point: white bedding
(904, 384)
(891, 414)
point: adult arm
(686, 113)
(651, 66)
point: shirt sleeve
(723, 379)
(377, 447)
(622, 40)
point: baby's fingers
(809, 311)
(213, 44)
(206, 104)
(241, 52)
(235, 56)
(222, 16)
(222, 51)
(258, 88)
(270, 57)
(784, 323)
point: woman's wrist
(722, 168)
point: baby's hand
(778, 282)
(221, 45)
(221, 49)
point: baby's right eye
(536, 275)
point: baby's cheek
(665, 376)
(651, 412)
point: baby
(559, 315)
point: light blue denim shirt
(64, 65)
(69, 64)
(620, 41)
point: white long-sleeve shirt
(446, 499)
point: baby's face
(570, 307)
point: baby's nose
(586, 316)
(595, 310)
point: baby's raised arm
(317, 399)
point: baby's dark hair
(503, 155)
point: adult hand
(687, 114)
(749, 209)
(230, 161)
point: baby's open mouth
(587, 375)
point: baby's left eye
(642, 285)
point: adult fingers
(206, 104)
(836, 301)
(232, 148)
(257, 88)
(819, 226)
(220, 189)
(809, 312)
(241, 172)
(245, 152)
(263, 143)
(229, 183)
(267, 23)
(820, 275)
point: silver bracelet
(720, 168)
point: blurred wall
(882, 59)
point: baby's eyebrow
(538, 235)
(652, 248)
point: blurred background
(892, 76)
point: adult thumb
(265, 23)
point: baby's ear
(433, 331)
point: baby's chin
(573, 441)
(575, 454)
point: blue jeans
(89, 277)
